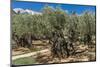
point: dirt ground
(83, 53)
(38, 45)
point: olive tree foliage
(73, 32)
(55, 23)
(24, 23)
(54, 18)
(87, 26)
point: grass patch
(24, 61)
